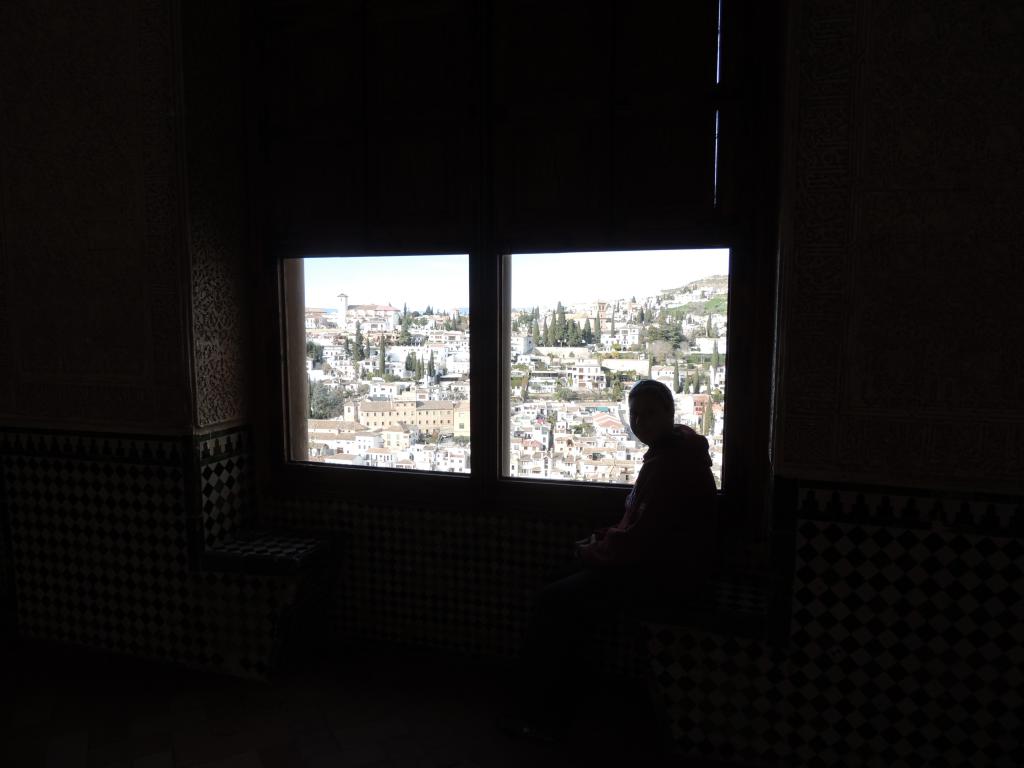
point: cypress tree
(382, 365)
(675, 377)
(588, 334)
(597, 330)
(572, 334)
(357, 350)
(430, 366)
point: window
(379, 363)
(584, 327)
(578, 134)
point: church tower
(342, 310)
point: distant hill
(718, 283)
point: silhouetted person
(655, 561)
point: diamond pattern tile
(908, 645)
(100, 551)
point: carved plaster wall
(901, 319)
(92, 315)
(214, 132)
(121, 209)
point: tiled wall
(6, 583)
(101, 555)
(907, 629)
(905, 645)
(436, 578)
(906, 624)
(224, 483)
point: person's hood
(685, 442)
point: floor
(79, 709)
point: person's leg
(564, 611)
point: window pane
(584, 327)
(386, 361)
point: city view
(388, 359)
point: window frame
(748, 177)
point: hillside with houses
(390, 387)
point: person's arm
(624, 545)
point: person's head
(651, 408)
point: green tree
(572, 334)
(535, 334)
(564, 393)
(315, 351)
(560, 329)
(640, 315)
(325, 402)
(404, 336)
(675, 377)
(714, 355)
(357, 351)
(710, 328)
(597, 330)
(708, 420)
(430, 366)
(588, 333)
(382, 364)
(410, 362)
(547, 335)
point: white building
(587, 374)
(371, 317)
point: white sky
(538, 279)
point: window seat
(264, 553)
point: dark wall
(93, 292)
(122, 301)
(901, 317)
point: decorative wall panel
(92, 305)
(723, 697)
(434, 578)
(225, 485)
(901, 271)
(907, 630)
(214, 146)
(101, 556)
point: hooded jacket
(669, 522)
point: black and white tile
(723, 697)
(908, 646)
(225, 492)
(99, 537)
